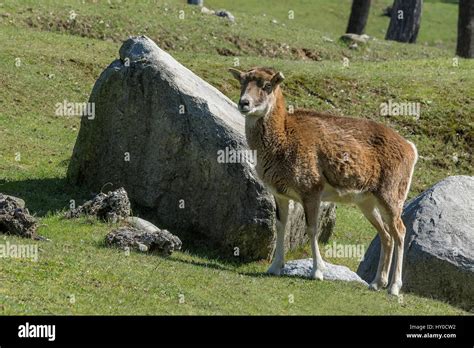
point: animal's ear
(277, 79)
(236, 73)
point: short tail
(415, 153)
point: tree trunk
(465, 46)
(358, 18)
(405, 21)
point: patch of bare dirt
(97, 28)
(90, 27)
(306, 54)
(267, 48)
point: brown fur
(302, 155)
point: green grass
(61, 60)
(76, 265)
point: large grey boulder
(157, 131)
(439, 244)
(303, 267)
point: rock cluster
(15, 218)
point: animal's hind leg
(311, 211)
(371, 211)
(397, 227)
(282, 217)
(398, 232)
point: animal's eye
(267, 86)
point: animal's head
(258, 90)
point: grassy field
(46, 58)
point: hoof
(318, 275)
(276, 271)
(377, 285)
(394, 289)
(374, 286)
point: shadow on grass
(43, 196)
(203, 264)
(53, 195)
(210, 258)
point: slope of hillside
(47, 57)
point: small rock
(111, 207)
(141, 224)
(303, 267)
(15, 219)
(353, 46)
(350, 38)
(18, 201)
(205, 10)
(132, 238)
(142, 247)
(225, 14)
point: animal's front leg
(282, 217)
(311, 210)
